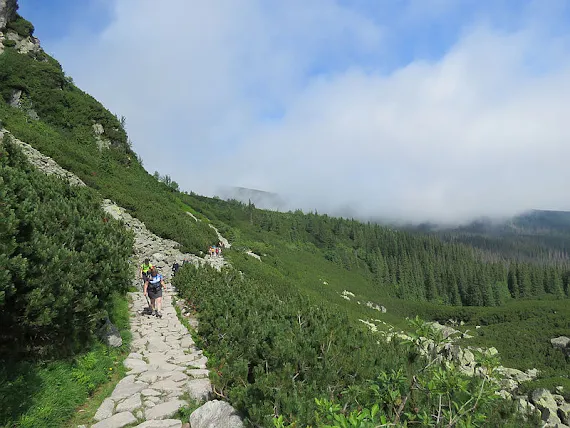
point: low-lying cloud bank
(298, 100)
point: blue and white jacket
(154, 282)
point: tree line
(404, 264)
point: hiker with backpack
(145, 270)
(175, 268)
(153, 287)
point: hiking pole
(149, 306)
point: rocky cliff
(8, 10)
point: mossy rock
(9, 43)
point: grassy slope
(47, 394)
(65, 134)
(520, 330)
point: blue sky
(453, 108)
(414, 29)
(57, 19)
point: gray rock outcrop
(8, 10)
(44, 163)
(561, 342)
(215, 414)
(109, 334)
(551, 409)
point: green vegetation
(65, 133)
(409, 266)
(60, 261)
(9, 43)
(520, 328)
(21, 26)
(47, 393)
(285, 347)
(273, 351)
(62, 268)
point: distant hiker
(153, 287)
(175, 268)
(145, 269)
(217, 251)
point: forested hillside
(536, 236)
(406, 265)
(284, 331)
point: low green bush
(60, 260)
(47, 393)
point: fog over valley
(418, 111)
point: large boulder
(215, 414)
(564, 413)
(446, 331)
(524, 407)
(517, 375)
(110, 334)
(544, 401)
(561, 342)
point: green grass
(520, 330)
(51, 393)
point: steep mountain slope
(292, 325)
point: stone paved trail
(165, 368)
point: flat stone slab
(150, 392)
(130, 404)
(199, 389)
(135, 356)
(134, 363)
(178, 376)
(152, 376)
(186, 342)
(127, 390)
(105, 410)
(165, 385)
(165, 423)
(198, 373)
(199, 363)
(167, 367)
(164, 410)
(157, 346)
(118, 420)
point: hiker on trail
(145, 269)
(153, 287)
(175, 268)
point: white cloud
(286, 100)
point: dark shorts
(153, 293)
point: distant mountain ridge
(531, 222)
(536, 235)
(260, 198)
